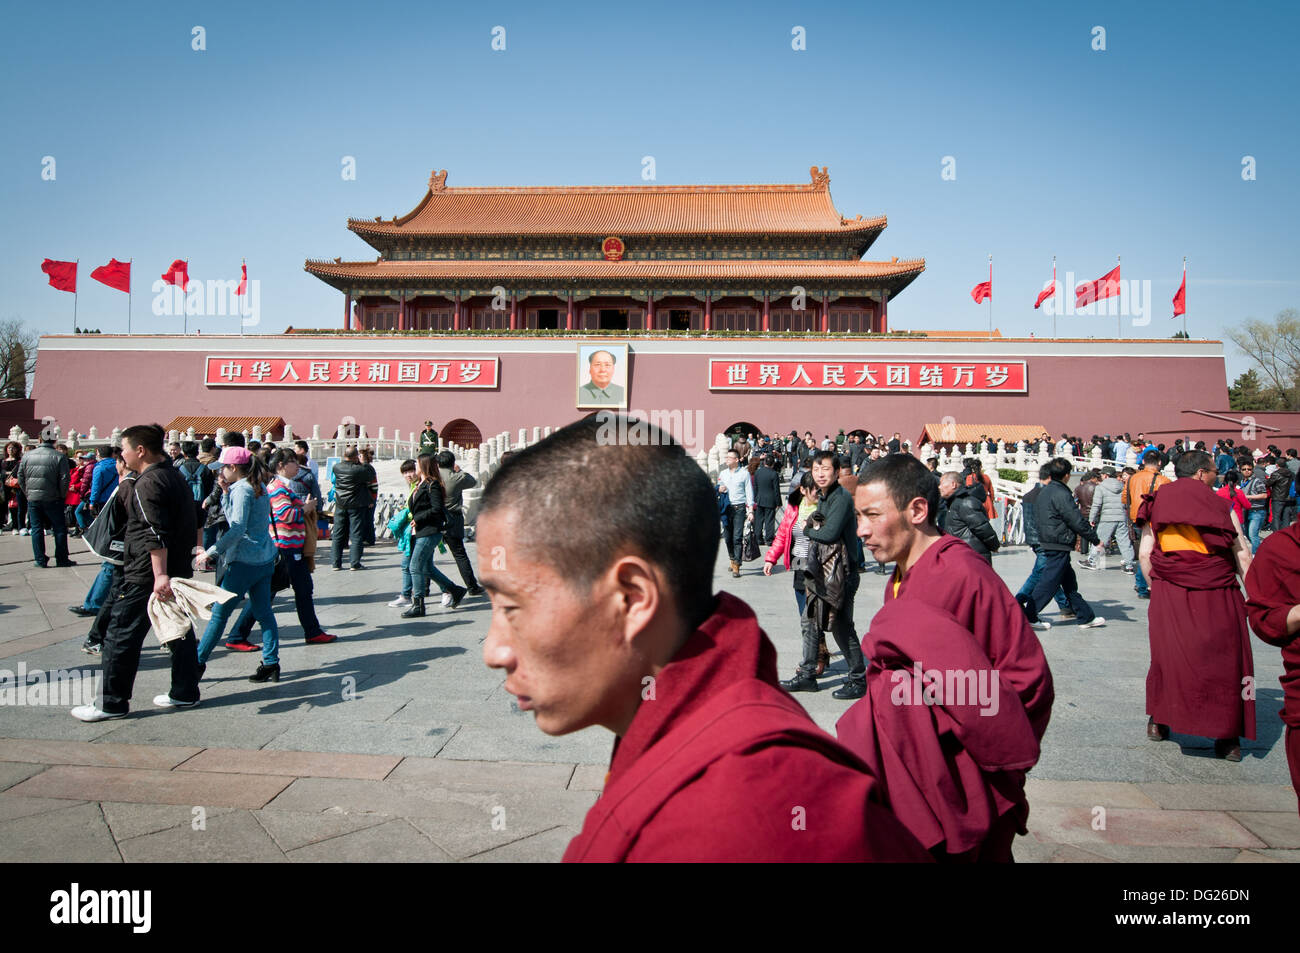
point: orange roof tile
(970, 433)
(624, 210)
(717, 269)
(210, 425)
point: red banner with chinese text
(908, 376)
(259, 371)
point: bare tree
(1275, 349)
(18, 346)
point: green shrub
(1013, 476)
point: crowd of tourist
(621, 599)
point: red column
(650, 310)
(568, 322)
(455, 319)
(401, 313)
(347, 309)
(826, 312)
(767, 314)
(884, 311)
(708, 310)
(514, 312)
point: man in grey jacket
(454, 483)
(43, 476)
(1110, 516)
(1059, 524)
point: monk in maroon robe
(723, 765)
(1273, 606)
(896, 503)
(944, 730)
(604, 614)
(1201, 667)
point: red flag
(243, 280)
(178, 274)
(1180, 299)
(115, 274)
(63, 274)
(1049, 291)
(1106, 286)
(981, 291)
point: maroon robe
(723, 765)
(1200, 647)
(1272, 588)
(952, 764)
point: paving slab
(1108, 794)
(589, 777)
(77, 835)
(546, 847)
(12, 772)
(128, 820)
(294, 829)
(12, 807)
(152, 787)
(1156, 828)
(107, 754)
(1274, 828)
(231, 838)
(1222, 797)
(483, 775)
(293, 763)
(395, 841)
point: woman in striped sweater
(289, 532)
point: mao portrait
(602, 376)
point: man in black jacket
(43, 477)
(159, 547)
(355, 489)
(966, 518)
(767, 500)
(838, 524)
(455, 482)
(1031, 540)
(1059, 523)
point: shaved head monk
(603, 613)
(975, 803)
(1273, 606)
(1192, 550)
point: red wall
(82, 388)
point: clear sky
(236, 151)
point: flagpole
(239, 308)
(185, 317)
(74, 301)
(1119, 318)
(990, 297)
(1184, 296)
(129, 261)
(1054, 295)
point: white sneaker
(401, 602)
(1096, 623)
(26, 532)
(166, 701)
(1040, 626)
(446, 599)
(93, 713)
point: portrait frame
(584, 399)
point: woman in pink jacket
(791, 545)
(1231, 492)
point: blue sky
(235, 152)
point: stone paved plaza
(397, 743)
